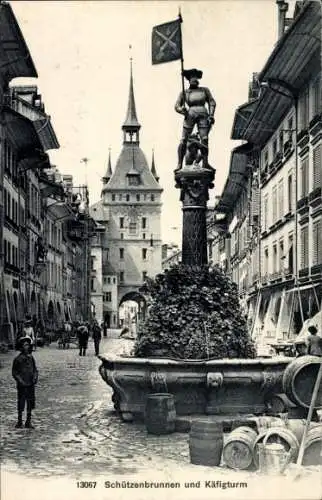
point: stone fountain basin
(215, 387)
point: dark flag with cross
(167, 42)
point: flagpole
(181, 58)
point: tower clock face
(133, 212)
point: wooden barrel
(279, 403)
(280, 435)
(160, 414)
(299, 378)
(297, 426)
(239, 448)
(206, 442)
(313, 446)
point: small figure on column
(196, 98)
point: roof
(13, 48)
(295, 56)
(97, 212)
(131, 120)
(131, 157)
(238, 172)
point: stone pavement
(77, 433)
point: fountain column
(194, 183)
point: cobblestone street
(78, 435)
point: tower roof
(131, 121)
(153, 168)
(109, 172)
(132, 161)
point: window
(316, 96)
(274, 148)
(144, 275)
(290, 253)
(107, 297)
(280, 140)
(265, 261)
(317, 242)
(290, 192)
(133, 180)
(114, 281)
(290, 129)
(127, 197)
(122, 222)
(122, 236)
(108, 280)
(304, 247)
(144, 253)
(143, 222)
(274, 201)
(265, 160)
(152, 197)
(92, 285)
(281, 254)
(304, 171)
(143, 236)
(132, 228)
(317, 167)
(304, 109)
(113, 197)
(274, 257)
(280, 199)
(121, 253)
(92, 263)
(120, 197)
(104, 280)
(122, 277)
(265, 212)
(137, 197)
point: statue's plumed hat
(192, 73)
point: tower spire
(153, 169)
(131, 124)
(109, 172)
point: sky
(81, 52)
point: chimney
(282, 9)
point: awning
(21, 131)
(237, 177)
(51, 188)
(59, 210)
(241, 119)
(40, 120)
(15, 56)
(295, 55)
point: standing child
(25, 373)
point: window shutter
(304, 247)
(317, 242)
(317, 167)
(304, 177)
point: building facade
(43, 259)
(130, 210)
(272, 198)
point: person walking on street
(314, 342)
(28, 331)
(97, 337)
(104, 328)
(25, 373)
(83, 334)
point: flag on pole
(167, 42)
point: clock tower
(130, 211)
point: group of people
(83, 332)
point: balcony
(315, 198)
(303, 205)
(316, 270)
(303, 138)
(316, 125)
(304, 273)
